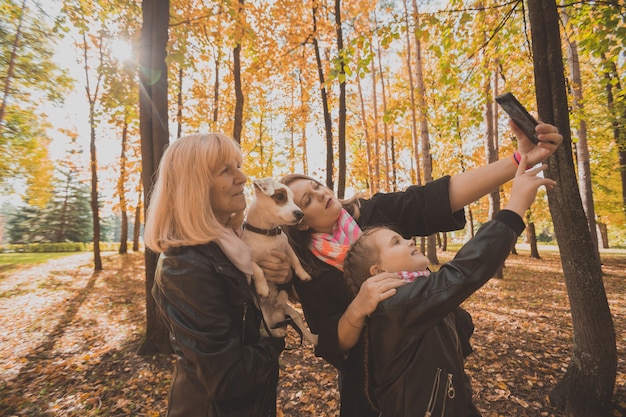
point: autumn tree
(153, 125)
(328, 126)
(90, 22)
(239, 97)
(65, 217)
(28, 77)
(582, 148)
(587, 387)
(341, 124)
(119, 102)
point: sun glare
(121, 50)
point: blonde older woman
(223, 366)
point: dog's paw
(263, 333)
(303, 275)
(279, 332)
(263, 290)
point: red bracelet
(517, 158)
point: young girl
(329, 225)
(417, 340)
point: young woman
(223, 366)
(417, 340)
(330, 225)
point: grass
(12, 261)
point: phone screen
(519, 114)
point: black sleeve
(417, 211)
(427, 300)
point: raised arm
(471, 185)
(374, 290)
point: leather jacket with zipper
(418, 339)
(223, 366)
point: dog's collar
(274, 231)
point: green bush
(44, 247)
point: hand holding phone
(519, 114)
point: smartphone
(519, 114)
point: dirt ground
(69, 337)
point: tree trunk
(328, 125)
(303, 122)
(491, 145)
(582, 149)
(179, 103)
(137, 224)
(394, 173)
(366, 135)
(531, 237)
(121, 189)
(238, 122)
(376, 184)
(587, 387)
(491, 136)
(153, 127)
(418, 65)
(431, 244)
(341, 129)
(409, 66)
(383, 94)
(618, 115)
(92, 94)
(216, 93)
(12, 62)
(95, 205)
(604, 235)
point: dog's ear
(266, 185)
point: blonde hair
(180, 212)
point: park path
(30, 302)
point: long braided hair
(359, 259)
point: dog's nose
(298, 215)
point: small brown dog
(272, 207)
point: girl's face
(397, 254)
(227, 192)
(320, 206)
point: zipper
(450, 393)
(433, 394)
(243, 327)
(450, 388)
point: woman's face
(320, 206)
(398, 254)
(227, 193)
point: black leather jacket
(418, 339)
(417, 211)
(223, 367)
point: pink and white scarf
(332, 247)
(410, 276)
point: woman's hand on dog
(276, 267)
